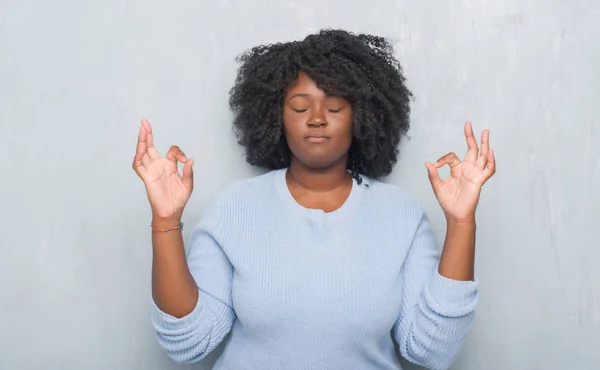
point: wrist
(463, 224)
(165, 222)
(466, 221)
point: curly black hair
(361, 68)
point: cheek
(292, 133)
(288, 125)
(344, 124)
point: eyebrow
(298, 95)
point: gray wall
(76, 78)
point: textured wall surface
(76, 77)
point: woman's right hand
(168, 191)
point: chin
(318, 165)
(319, 156)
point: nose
(317, 119)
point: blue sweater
(299, 288)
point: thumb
(434, 176)
(188, 174)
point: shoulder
(241, 195)
(392, 199)
(248, 188)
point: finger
(175, 154)
(140, 157)
(450, 159)
(490, 168)
(188, 174)
(151, 149)
(146, 160)
(472, 149)
(434, 176)
(485, 146)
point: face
(318, 127)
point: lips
(316, 137)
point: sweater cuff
(451, 298)
(164, 321)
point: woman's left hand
(458, 194)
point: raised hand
(458, 194)
(167, 190)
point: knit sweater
(298, 288)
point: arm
(173, 287)
(458, 256)
(191, 294)
(194, 332)
(437, 312)
(440, 295)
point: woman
(315, 264)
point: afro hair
(360, 68)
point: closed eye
(329, 110)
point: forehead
(305, 86)
(303, 81)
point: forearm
(173, 288)
(458, 255)
(189, 327)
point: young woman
(316, 264)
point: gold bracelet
(180, 226)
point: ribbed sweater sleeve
(192, 337)
(436, 312)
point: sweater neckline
(347, 208)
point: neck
(318, 179)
